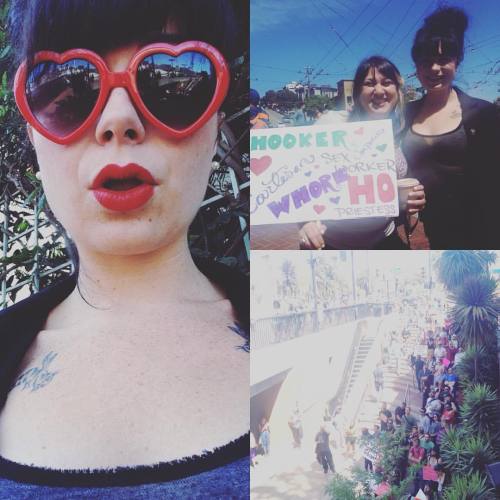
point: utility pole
(308, 71)
(312, 262)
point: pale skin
(378, 98)
(440, 112)
(150, 372)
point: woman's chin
(380, 113)
(127, 240)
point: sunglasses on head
(177, 88)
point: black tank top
(438, 162)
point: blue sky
(333, 36)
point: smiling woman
(135, 370)
(451, 141)
(377, 94)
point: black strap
(410, 228)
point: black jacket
(21, 323)
(480, 226)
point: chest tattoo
(238, 329)
(37, 377)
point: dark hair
(441, 35)
(389, 70)
(101, 25)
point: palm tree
(487, 369)
(472, 487)
(475, 313)
(481, 414)
(456, 265)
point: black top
(438, 162)
(460, 172)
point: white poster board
(321, 172)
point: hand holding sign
(331, 172)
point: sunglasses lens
(62, 96)
(176, 90)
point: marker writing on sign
(369, 189)
(298, 140)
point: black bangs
(100, 25)
(431, 48)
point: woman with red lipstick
(452, 141)
(130, 379)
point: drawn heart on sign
(340, 176)
(259, 165)
(382, 147)
(308, 174)
(359, 131)
(335, 200)
(316, 166)
(319, 208)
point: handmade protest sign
(344, 171)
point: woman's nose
(435, 67)
(379, 89)
(119, 120)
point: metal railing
(267, 331)
(34, 250)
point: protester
(264, 436)
(451, 142)
(258, 117)
(323, 452)
(377, 94)
(295, 424)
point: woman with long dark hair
(130, 378)
(377, 94)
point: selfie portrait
(124, 273)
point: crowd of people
(436, 379)
(433, 359)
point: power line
(331, 8)
(345, 32)
(397, 27)
(412, 28)
(365, 26)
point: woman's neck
(438, 99)
(124, 283)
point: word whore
(368, 190)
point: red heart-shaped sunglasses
(177, 88)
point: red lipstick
(123, 189)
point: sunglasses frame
(124, 79)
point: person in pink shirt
(416, 453)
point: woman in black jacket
(452, 143)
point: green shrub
(481, 412)
(464, 453)
(341, 488)
(478, 366)
(471, 487)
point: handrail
(406, 393)
(349, 368)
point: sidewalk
(295, 474)
(286, 237)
